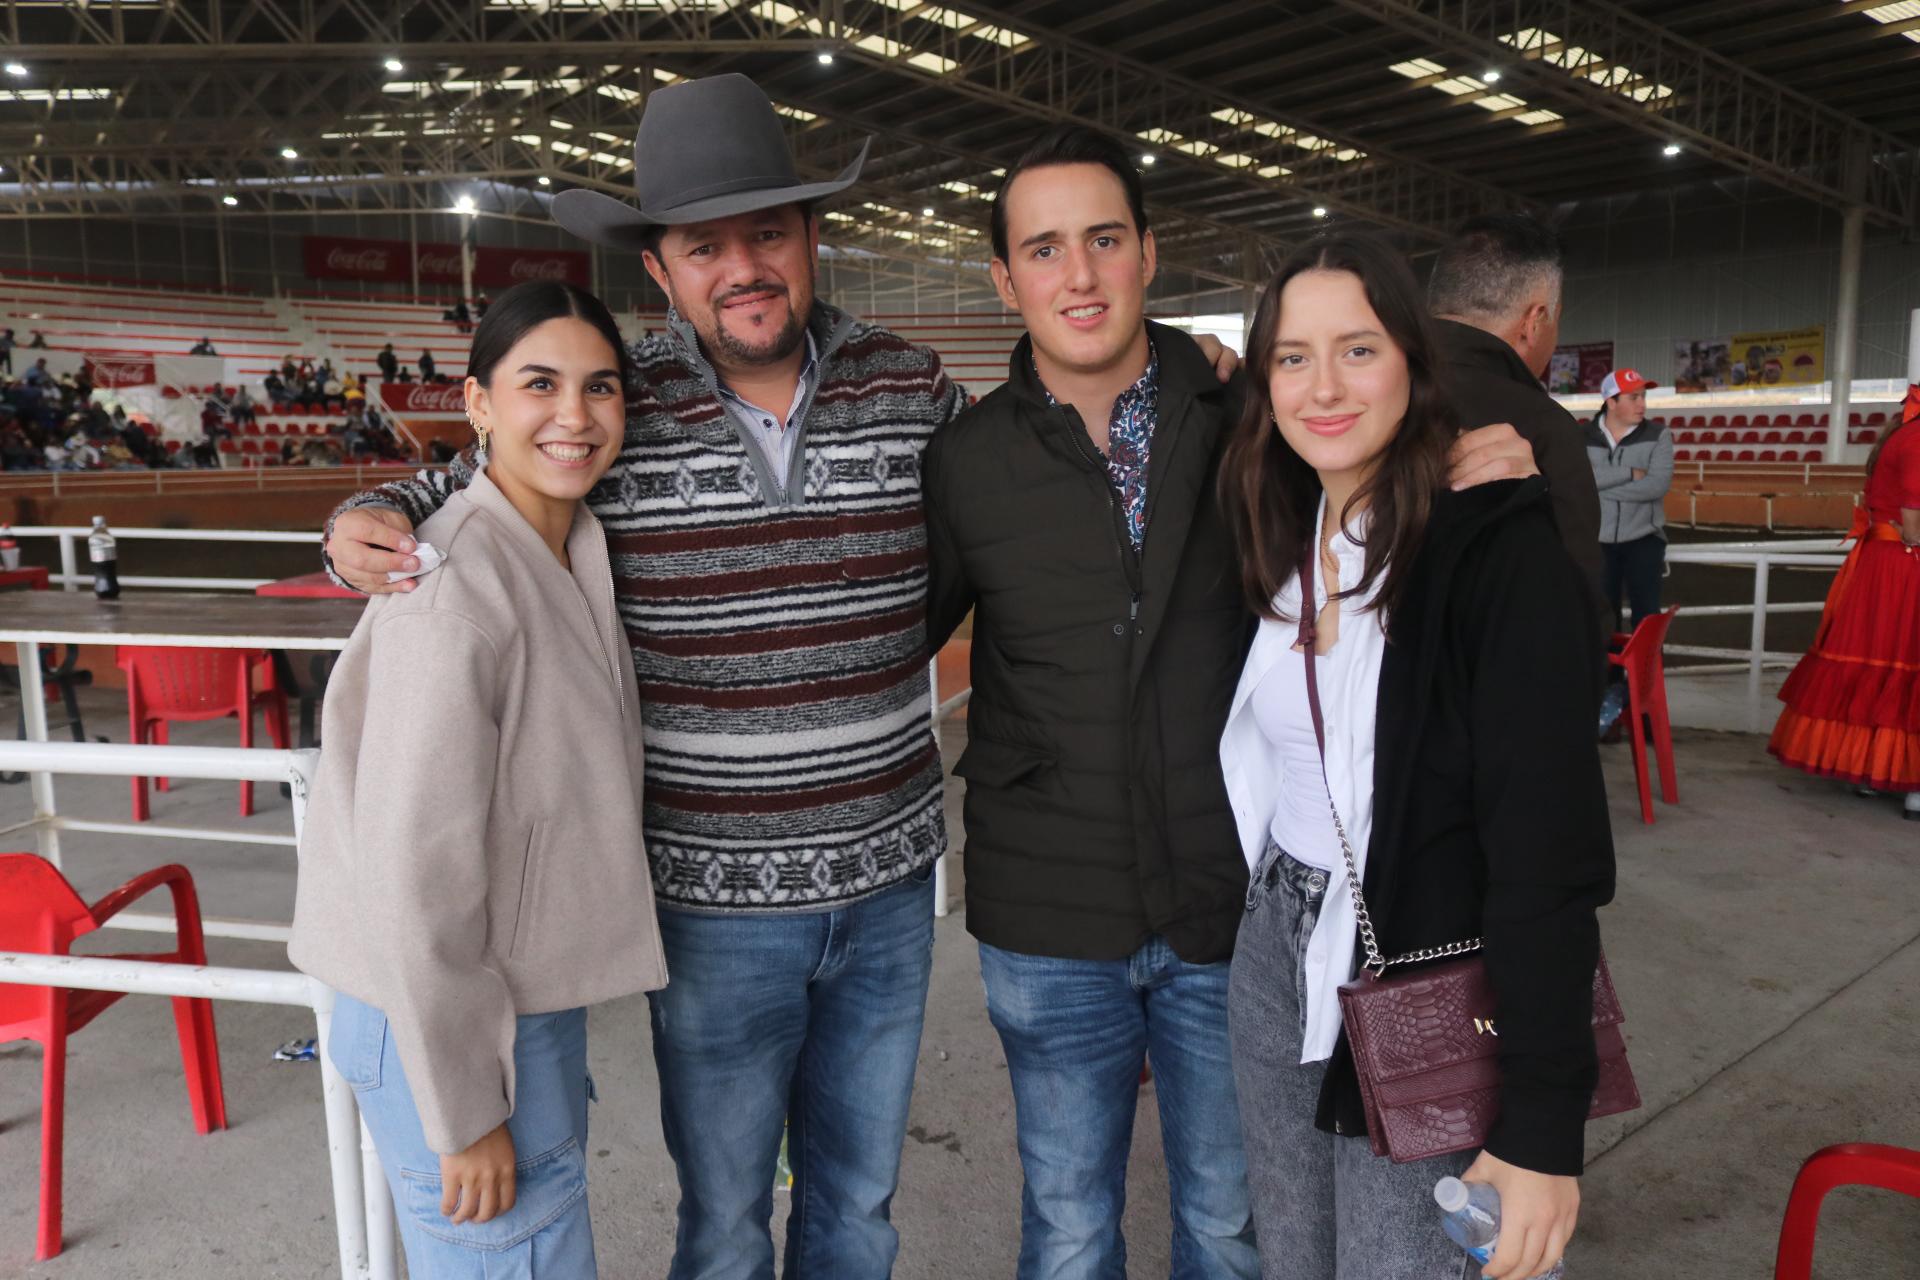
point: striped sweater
(779, 638)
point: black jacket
(1096, 816)
(1490, 383)
(1490, 815)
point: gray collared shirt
(776, 435)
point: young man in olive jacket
(1073, 509)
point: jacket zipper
(1123, 541)
(600, 641)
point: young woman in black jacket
(1458, 664)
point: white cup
(9, 558)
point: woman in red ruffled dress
(1853, 703)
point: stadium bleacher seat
(1683, 455)
(1737, 421)
(1768, 455)
(1804, 420)
(1749, 437)
(1745, 455)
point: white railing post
(33, 711)
(69, 567)
(940, 863)
(1759, 640)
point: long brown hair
(1873, 459)
(1271, 495)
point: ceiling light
(394, 64)
(15, 69)
(1319, 211)
(230, 201)
(1147, 158)
(464, 204)
(545, 181)
(1671, 149)
(826, 59)
(927, 212)
(1490, 76)
(288, 153)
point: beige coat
(472, 846)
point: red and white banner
(346, 258)
(414, 398)
(389, 262)
(119, 368)
(500, 268)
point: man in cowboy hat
(769, 556)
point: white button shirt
(1255, 767)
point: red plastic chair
(1850, 1164)
(167, 684)
(40, 913)
(1642, 657)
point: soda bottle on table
(1471, 1218)
(104, 552)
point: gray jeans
(1324, 1207)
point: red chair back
(183, 684)
(39, 913)
(1850, 1164)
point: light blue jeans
(1076, 1033)
(546, 1235)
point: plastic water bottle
(104, 552)
(9, 548)
(1472, 1220)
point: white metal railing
(133, 483)
(1761, 557)
(363, 1206)
(71, 536)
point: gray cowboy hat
(706, 149)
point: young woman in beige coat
(472, 873)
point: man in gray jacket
(1632, 468)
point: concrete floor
(1766, 944)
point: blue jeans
(1076, 1033)
(809, 1022)
(546, 1233)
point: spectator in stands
(119, 417)
(36, 340)
(7, 344)
(480, 305)
(332, 389)
(202, 454)
(241, 407)
(277, 392)
(1632, 461)
(81, 453)
(213, 419)
(406, 374)
(17, 451)
(137, 442)
(389, 363)
(350, 386)
(289, 370)
(1853, 702)
(204, 347)
(39, 376)
(287, 455)
(462, 318)
(56, 455)
(426, 366)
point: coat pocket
(987, 763)
(523, 898)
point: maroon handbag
(1424, 1043)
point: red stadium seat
(1876, 419)
(229, 446)
(1683, 455)
(1745, 455)
(249, 445)
(1854, 420)
(1723, 455)
(1804, 420)
(1796, 437)
(1749, 437)
(173, 446)
(1768, 455)
(1868, 435)
(1719, 420)
(1738, 420)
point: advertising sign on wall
(1579, 367)
(118, 368)
(1760, 359)
(389, 262)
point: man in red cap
(1632, 468)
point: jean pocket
(544, 1188)
(356, 1041)
(923, 875)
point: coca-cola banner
(425, 398)
(344, 258)
(387, 261)
(500, 268)
(119, 368)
